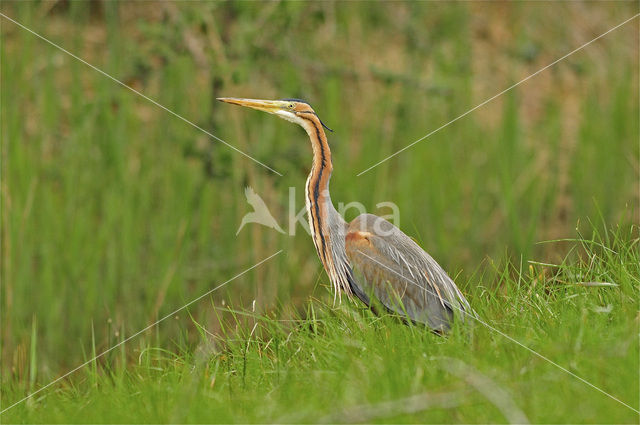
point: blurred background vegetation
(115, 213)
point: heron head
(292, 110)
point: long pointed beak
(270, 106)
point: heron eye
(291, 106)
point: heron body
(369, 258)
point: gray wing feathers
(402, 276)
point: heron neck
(318, 199)
(326, 224)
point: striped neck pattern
(326, 225)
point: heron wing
(402, 276)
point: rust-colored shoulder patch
(359, 237)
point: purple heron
(369, 257)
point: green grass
(115, 213)
(344, 364)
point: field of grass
(116, 213)
(346, 365)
